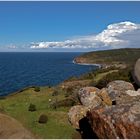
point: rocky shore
(82, 61)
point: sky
(68, 26)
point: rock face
(12, 129)
(122, 121)
(76, 113)
(88, 97)
(117, 91)
(136, 74)
(116, 115)
(103, 94)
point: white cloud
(123, 34)
(11, 46)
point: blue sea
(20, 70)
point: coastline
(88, 64)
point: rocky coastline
(81, 63)
(109, 109)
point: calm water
(19, 70)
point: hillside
(116, 57)
(17, 106)
(55, 102)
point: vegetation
(37, 89)
(43, 118)
(57, 125)
(56, 101)
(32, 107)
(122, 74)
(126, 56)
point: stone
(117, 91)
(88, 97)
(136, 73)
(103, 94)
(120, 85)
(133, 93)
(114, 122)
(75, 114)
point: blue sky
(24, 22)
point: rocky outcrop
(117, 91)
(116, 115)
(106, 100)
(76, 113)
(12, 129)
(136, 73)
(121, 121)
(88, 97)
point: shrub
(68, 91)
(32, 107)
(123, 74)
(43, 118)
(55, 93)
(65, 103)
(2, 97)
(36, 89)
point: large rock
(121, 121)
(117, 91)
(133, 93)
(103, 94)
(136, 74)
(112, 112)
(88, 97)
(75, 114)
(12, 129)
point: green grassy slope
(126, 56)
(17, 106)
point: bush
(55, 93)
(36, 89)
(66, 102)
(68, 91)
(43, 118)
(32, 107)
(124, 74)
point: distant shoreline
(98, 65)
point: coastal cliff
(118, 57)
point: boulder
(121, 121)
(12, 129)
(136, 74)
(75, 114)
(133, 93)
(88, 97)
(112, 112)
(103, 94)
(117, 91)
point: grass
(126, 56)
(57, 125)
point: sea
(22, 69)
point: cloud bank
(118, 35)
